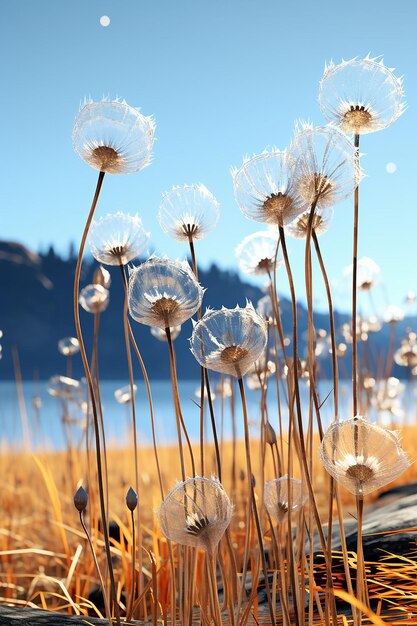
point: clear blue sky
(223, 78)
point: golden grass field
(45, 559)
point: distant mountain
(36, 311)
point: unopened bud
(102, 277)
(81, 499)
(131, 499)
(270, 435)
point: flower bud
(270, 435)
(102, 277)
(81, 499)
(131, 499)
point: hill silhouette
(36, 311)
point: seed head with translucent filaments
(361, 95)
(113, 137)
(117, 238)
(188, 213)
(123, 395)
(368, 273)
(68, 346)
(406, 354)
(326, 163)
(393, 314)
(94, 298)
(256, 253)
(265, 190)
(196, 513)
(362, 456)
(163, 293)
(321, 221)
(279, 493)
(64, 387)
(230, 340)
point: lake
(48, 428)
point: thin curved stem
(93, 552)
(251, 497)
(133, 405)
(335, 366)
(360, 575)
(178, 412)
(354, 289)
(213, 425)
(150, 402)
(303, 455)
(129, 610)
(96, 378)
(390, 358)
(205, 377)
(213, 593)
(92, 394)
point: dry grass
(44, 554)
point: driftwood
(14, 616)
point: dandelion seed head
(163, 293)
(362, 456)
(361, 95)
(229, 340)
(264, 188)
(117, 238)
(196, 513)
(68, 346)
(113, 137)
(321, 221)
(256, 253)
(327, 169)
(277, 496)
(94, 298)
(123, 395)
(188, 213)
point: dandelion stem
(150, 402)
(132, 591)
(93, 552)
(214, 596)
(354, 288)
(303, 455)
(360, 581)
(333, 487)
(332, 326)
(205, 377)
(178, 413)
(251, 497)
(96, 380)
(311, 365)
(92, 394)
(133, 405)
(390, 358)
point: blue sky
(223, 78)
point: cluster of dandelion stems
(272, 515)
